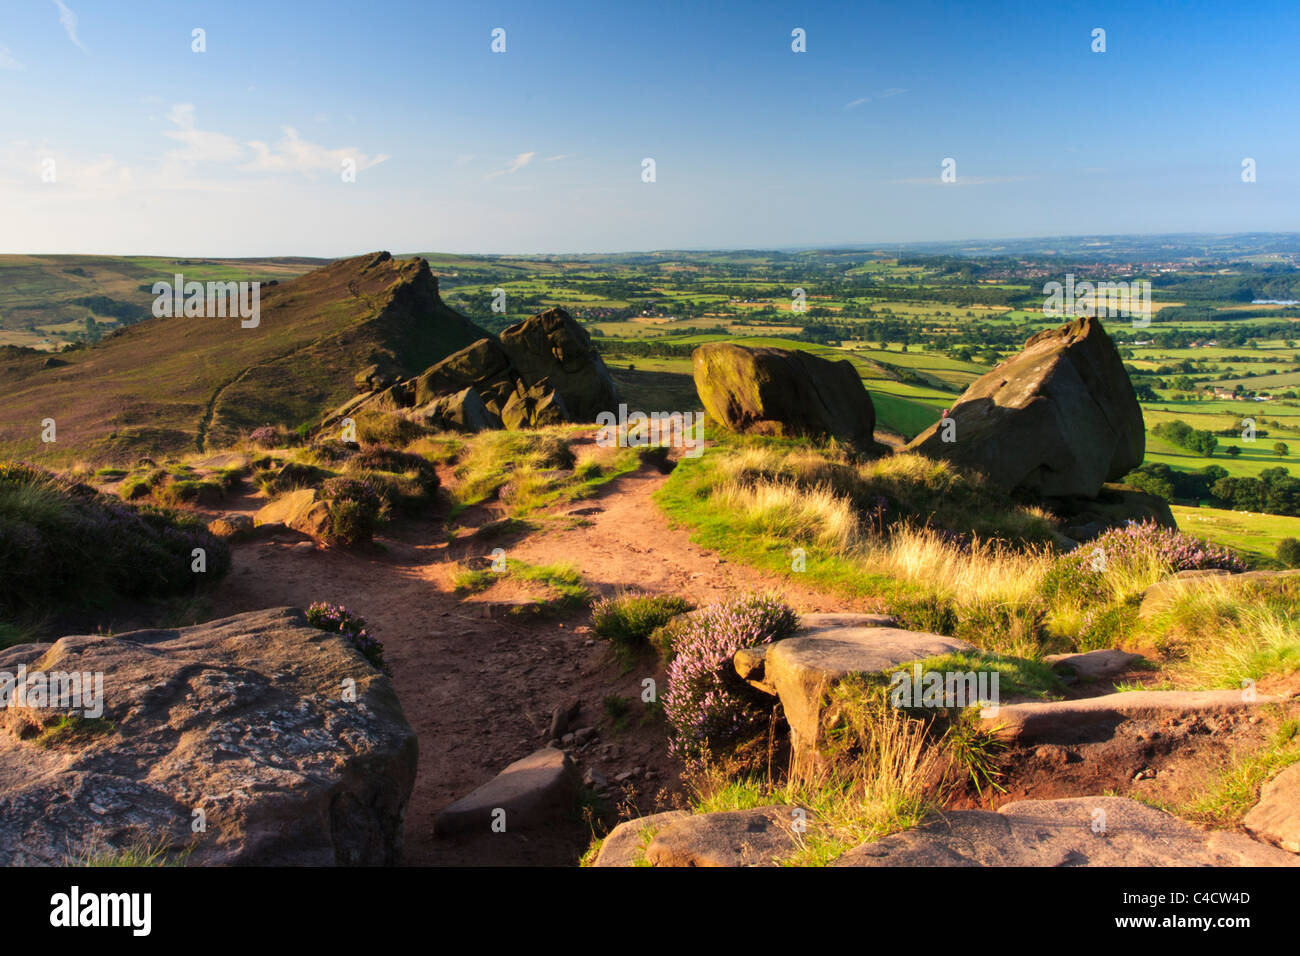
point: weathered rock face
(552, 347)
(1058, 419)
(1076, 831)
(758, 837)
(483, 366)
(1276, 818)
(464, 411)
(543, 371)
(626, 843)
(246, 719)
(773, 391)
(826, 649)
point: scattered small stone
(584, 734)
(595, 779)
(623, 777)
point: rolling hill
(167, 385)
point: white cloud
(516, 164)
(198, 146)
(293, 154)
(68, 20)
(556, 159)
(7, 60)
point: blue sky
(238, 151)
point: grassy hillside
(47, 301)
(179, 384)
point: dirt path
(480, 690)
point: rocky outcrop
(254, 739)
(1076, 831)
(542, 371)
(772, 391)
(551, 347)
(1056, 420)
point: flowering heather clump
(335, 617)
(707, 703)
(1180, 551)
(1084, 573)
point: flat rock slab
(1094, 665)
(293, 747)
(758, 837)
(1077, 831)
(531, 791)
(829, 647)
(1276, 818)
(626, 843)
(1064, 721)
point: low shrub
(62, 542)
(354, 511)
(336, 617)
(706, 703)
(631, 618)
(1288, 553)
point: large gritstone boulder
(1059, 419)
(551, 347)
(255, 739)
(771, 391)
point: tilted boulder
(483, 366)
(552, 347)
(772, 391)
(302, 510)
(1058, 419)
(291, 744)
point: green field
(1254, 534)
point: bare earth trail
(480, 690)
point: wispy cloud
(291, 154)
(516, 164)
(7, 60)
(556, 159)
(68, 19)
(197, 145)
(881, 95)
